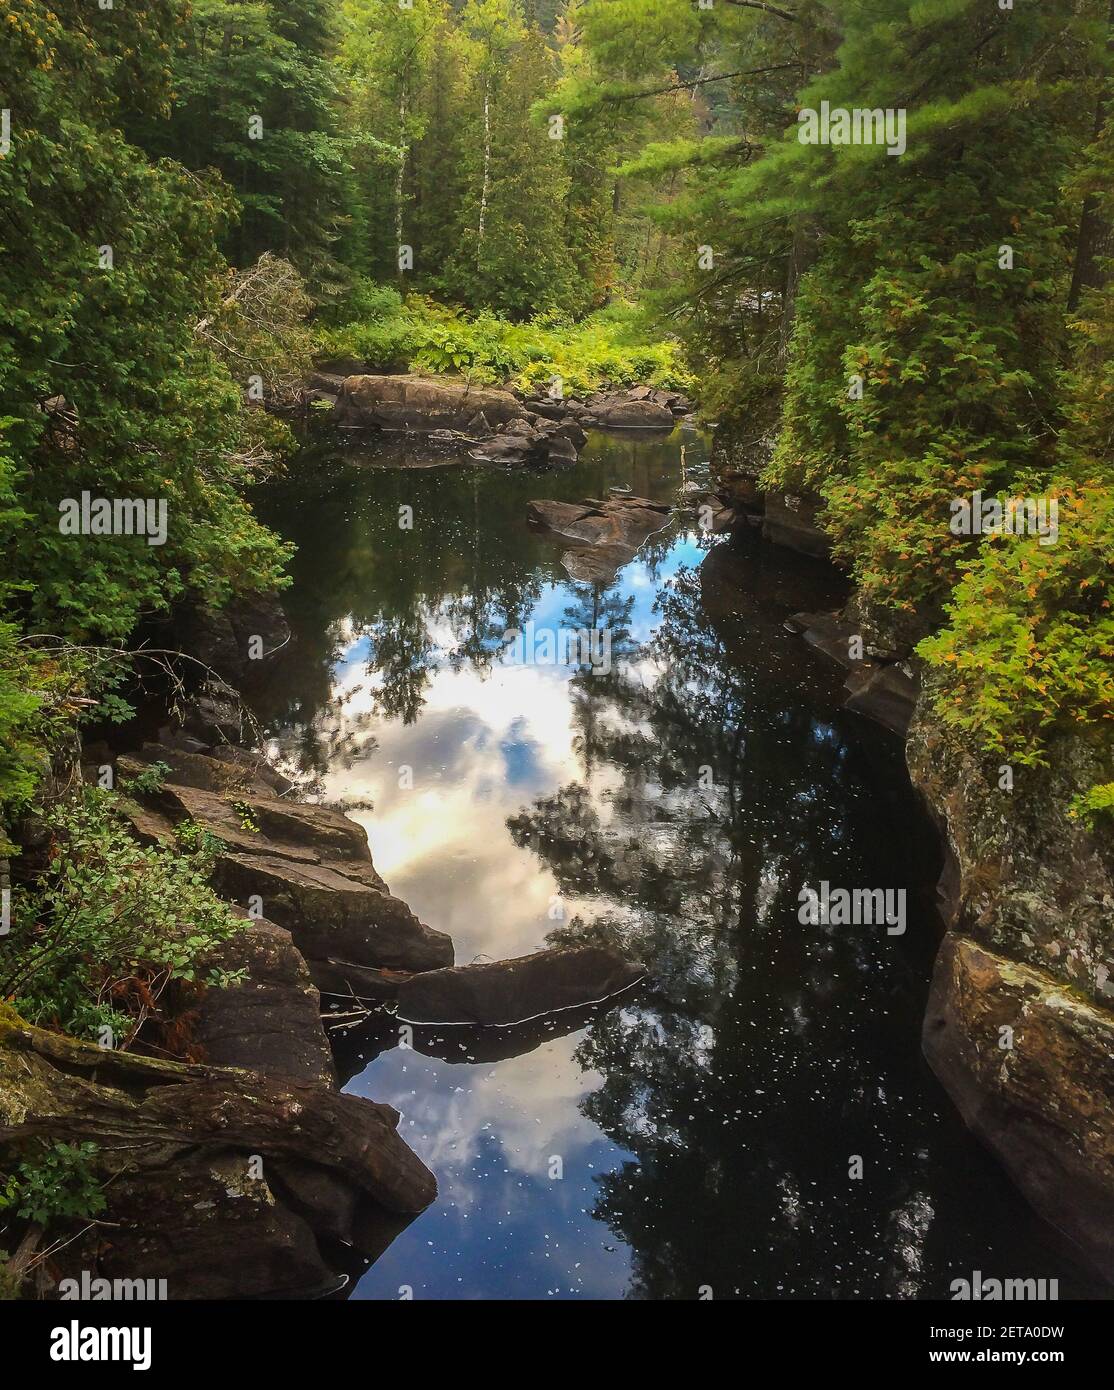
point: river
(758, 1121)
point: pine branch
(766, 9)
(696, 82)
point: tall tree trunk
(400, 177)
(486, 184)
(1094, 239)
(796, 263)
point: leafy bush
(424, 336)
(1029, 645)
(149, 780)
(1088, 806)
(56, 1182)
(367, 303)
(1030, 638)
(112, 924)
(39, 693)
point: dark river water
(702, 1137)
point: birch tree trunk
(400, 177)
(486, 184)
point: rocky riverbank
(489, 424)
(1020, 1021)
(242, 1171)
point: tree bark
(797, 262)
(486, 184)
(1094, 239)
(400, 177)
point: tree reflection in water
(767, 1054)
(712, 775)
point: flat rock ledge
(307, 868)
(503, 993)
(879, 687)
(511, 992)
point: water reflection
(704, 1133)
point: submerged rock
(886, 694)
(515, 991)
(605, 535)
(883, 691)
(790, 520)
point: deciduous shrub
(96, 944)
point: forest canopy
(199, 196)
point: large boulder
(514, 991)
(1027, 894)
(195, 1162)
(269, 1021)
(636, 407)
(632, 414)
(422, 403)
(1031, 1068)
(790, 520)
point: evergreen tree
(110, 263)
(515, 257)
(255, 97)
